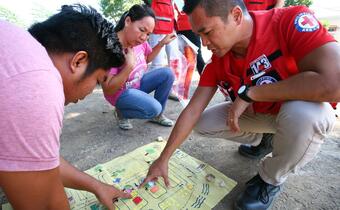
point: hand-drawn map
(194, 184)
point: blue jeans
(137, 103)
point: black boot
(259, 151)
(258, 195)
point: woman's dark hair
(136, 12)
(80, 28)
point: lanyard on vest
(271, 58)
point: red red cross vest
(267, 61)
(164, 12)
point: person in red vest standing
(183, 27)
(165, 24)
(263, 4)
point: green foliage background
(298, 2)
(39, 13)
(115, 8)
(8, 15)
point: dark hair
(213, 7)
(76, 28)
(136, 12)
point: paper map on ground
(194, 184)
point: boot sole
(236, 207)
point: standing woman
(128, 87)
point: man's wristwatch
(243, 93)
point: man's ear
(237, 15)
(79, 61)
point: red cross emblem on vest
(307, 20)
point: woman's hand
(168, 38)
(130, 59)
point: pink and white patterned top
(141, 52)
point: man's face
(217, 35)
(72, 68)
(80, 87)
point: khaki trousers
(300, 128)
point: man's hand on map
(108, 194)
(159, 168)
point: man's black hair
(213, 7)
(136, 12)
(80, 28)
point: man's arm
(71, 177)
(45, 189)
(75, 179)
(34, 189)
(318, 79)
(182, 129)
